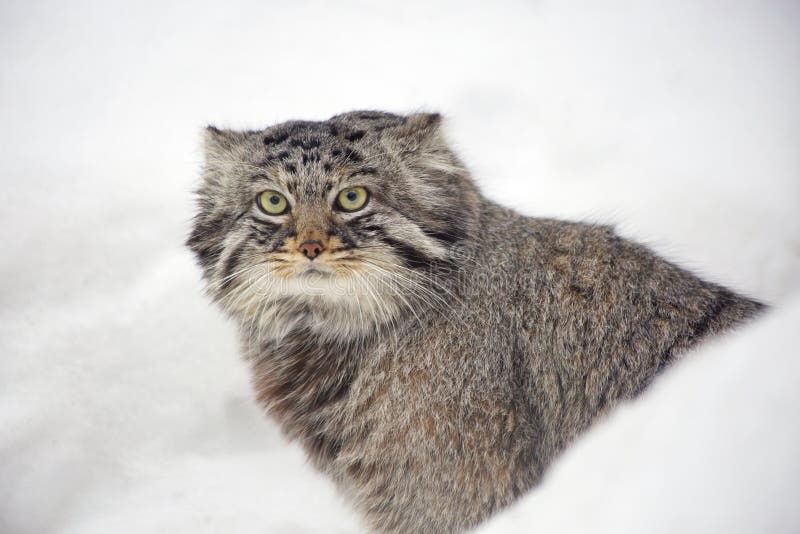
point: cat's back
(589, 275)
(596, 315)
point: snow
(124, 406)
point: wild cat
(430, 349)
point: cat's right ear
(219, 144)
(220, 148)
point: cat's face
(333, 225)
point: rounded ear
(222, 150)
(422, 123)
(418, 132)
(218, 143)
(421, 127)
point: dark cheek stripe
(231, 262)
(366, 217)
(346, 236)
(270, 236)
(276, 241)
(265, 224)
(374, 228)
(208, 253)
(412, 257)
(207, 236)
(452, 235)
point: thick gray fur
(442, 350)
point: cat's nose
(311, 249)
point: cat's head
(337, 223)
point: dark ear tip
(434, 118)
(422, 124)
(425, 120)
(215, 139)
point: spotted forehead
(312, 157)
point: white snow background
(124, 406)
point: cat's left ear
(418, 133)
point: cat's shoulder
(559, 238)
(582, 253)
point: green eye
(272, 202)
(352, 198)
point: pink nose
(311, 249)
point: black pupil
(352, 196)
(275, 199)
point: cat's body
(432, 372)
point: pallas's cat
(430, 349)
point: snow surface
(124, 406)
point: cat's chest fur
(401, 419)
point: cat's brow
(366, 171)
(266, 179)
